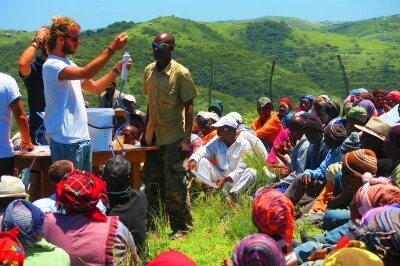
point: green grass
(217, 227)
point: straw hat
(376, 127)
(11, 187)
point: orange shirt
(269, 130)
(208, 137)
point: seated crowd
(339, 171)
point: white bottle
(124, 71)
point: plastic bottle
(124, 72)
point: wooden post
(345, 77)
(270, 79)
(211, 81)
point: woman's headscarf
(10, 248)
(28, 218)
(80, 193)
(380, 231)
(352, 256)
(258, 249)
(376, 192)
(273, 215)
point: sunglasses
(74, 38)
(160, 46)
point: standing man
(10, 102)
(170, 92)
(30, 70)
(66, 118)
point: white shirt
(229, 159)
(9, 91)
(65, 113)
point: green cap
(262, 102)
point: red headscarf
(10, 248)
(273, 214)
(171, 258)
(80, 193)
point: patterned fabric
(258, 249)
(308, 98)
(273, 215)
(336, 132)
(287, 101)
(368, 106)
(360, 161)
(28, 218)
(358, 113)
(80, 193)
(10, 248)
(376, 192)
(380, 230)
(393, 96)
(171, 258)
(351, 143)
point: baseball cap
(226, 121)
(262, 102)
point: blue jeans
(335, 218)
(80, 154)
(333, 236)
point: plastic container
(100, 122)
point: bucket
(100, 122)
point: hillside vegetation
(241, 54)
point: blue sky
(92, 14)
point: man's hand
(306, 180)
(119, 42)
(42, 33)
(192, 164)
(319, 254)
(25, 146)
(222, 180)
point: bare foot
(227, 262)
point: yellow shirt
(166, 92)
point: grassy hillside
(241, 54)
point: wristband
(111, 49)
(38, 40)
(115, 70)
(36, 47)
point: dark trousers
(164, 179)
(297, 190)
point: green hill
(241, 54)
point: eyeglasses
(160, 46)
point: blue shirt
(333, 156)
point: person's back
(74, 233)
(30, 71)
(128, 204)
(83, 223)
(29, 220)
(11, 104)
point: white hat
(130, 98)
(208, 115)
(226, 121)
(236, 116)
(11, 186)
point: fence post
(270, 78)
(345, 77)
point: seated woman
(84, 231)
(29, 220)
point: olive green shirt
(166, 92)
